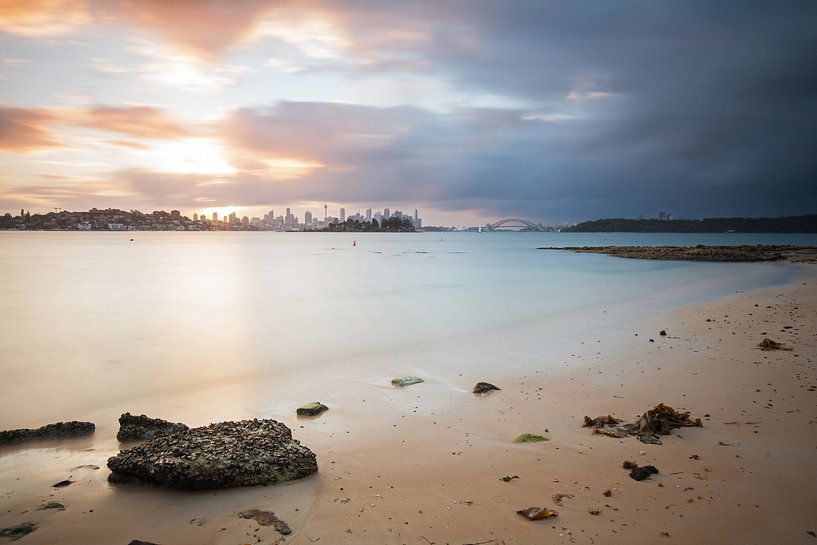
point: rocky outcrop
(223, 455)
(137, 428)
(60, 430)
(759, 252)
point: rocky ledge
(760, 252)
(60, 430)
(137, 428)
(223, 455)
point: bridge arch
(515, 223)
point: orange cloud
(42, 17)
(23, 130)
(140, 121)
(204, 29)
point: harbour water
(203, 324)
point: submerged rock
(51, 505)
(267, 518)
(312, 409)
(60, 430)
(406, 381)
(223, 455)
(136, 428)
(16, 532)
(484, 387)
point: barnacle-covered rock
(223, 455)
(60, 430)
(135, 428)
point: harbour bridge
(515, 223)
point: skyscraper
(386, 213)
(308, 217)
(368, 214)
(416, 218)
(342, 215)
(215, 217)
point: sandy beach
(423, 464)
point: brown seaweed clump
(768, 344)
(659, 420)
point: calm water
(92, 323)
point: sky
(469, 110)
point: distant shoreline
(805, 224)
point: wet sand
(423, 464)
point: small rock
(62, 484)
(406, 381)
(607, 493)
(537, 513)
(663, 333)
(484, 387)
(312, 409)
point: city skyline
(473, 111)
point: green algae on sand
(530, 438)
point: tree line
(788, 224)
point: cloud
(42, 17)
(205, 29)
(29, 129)
(24, 130)
(618, 109)
(138, 121)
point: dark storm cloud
(711, 106)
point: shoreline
(414, 469)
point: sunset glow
(189, 156)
